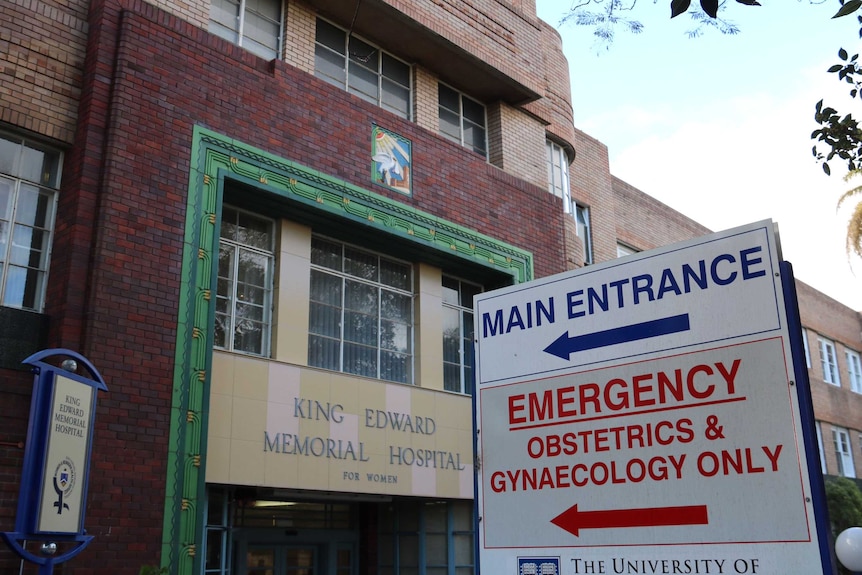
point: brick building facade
(263, 223)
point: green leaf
(710, 7)
(826, 169)
(677, 7)
(842, 53)
(848, 8)
(749, 2)
(834, 68)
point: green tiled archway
(214, 159)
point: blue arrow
(564, 345)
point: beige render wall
(41, 63)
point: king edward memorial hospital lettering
(643, 413)
(347, 450)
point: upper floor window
(361, 312)
(361, 69)
(829, 361)
(462, 119)
(252, 24)
(245, 275)
(623, 250)
(820, 447)
(854, 368)
(458, 334)
(807, 351)
(558, 172)
(29, 178)
(841, 443)
(582, 219)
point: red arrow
(573, 520)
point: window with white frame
(253, 24)
(362, 69)
(829, 361)
(29, 178)
(623, 250)
(807, 351)
(558, 172)
(582, 219)
(820, 447)
(843, 454)
(458, 334)
(245, 274)
(462, 119)
(361, 312)
(854, 369)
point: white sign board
(639, 416)
(61, 504)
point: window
(462, 119)
(431, 537)
(458, 334)
(252, 24)
(558, 173)
(854, 368)
(582, 218)
(807, 351)
(820, 447)
(841, 442)
(361, 69)
(29, 178)
(829, 361)
(361, 315)
(624, 250)
(217, 556)
(244, 293)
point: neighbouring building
(264, 222)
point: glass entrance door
(293, 560)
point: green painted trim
(215, 158)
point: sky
(718, 127)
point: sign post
(53, 494)
(643, 416)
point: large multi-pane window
(829, 361)
(252, 24)
(843, 454)
(558, 172)
(462, 119)
(458, 334)
(245, 275)
(361, 312)
(427, 537)
(29, 178)
(854, 370)
(582, 219)
(362, 69)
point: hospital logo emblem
(64, 483)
